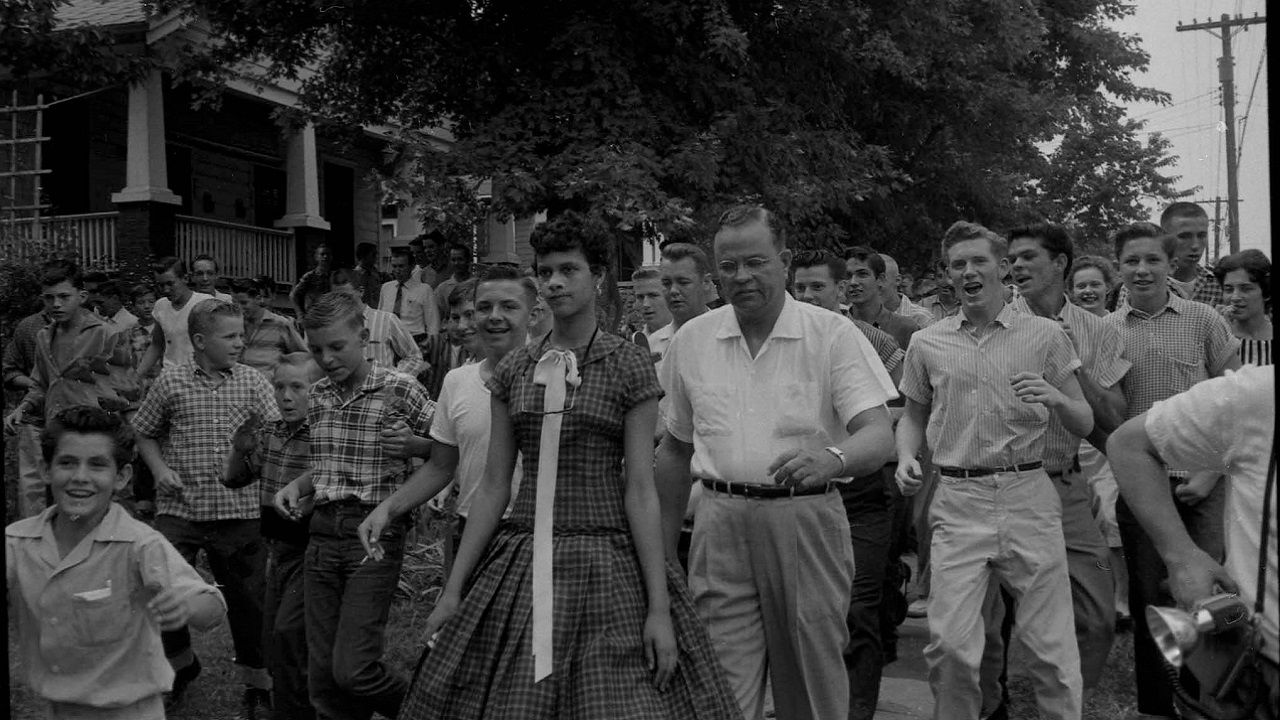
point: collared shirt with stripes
(1171, 349)
(887, 349)
(975, 418)
(390, 344)
(1255, 352)
(283, 453)
(267, 341)
(349, 462)
(1101, 353)
(193, 415)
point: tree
(871, 121)
(35, 47)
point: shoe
(1124, 624)
(1000, 713)
(181, 680)
(918, 608)
(255, 704)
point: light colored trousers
(772, 581)
(1009, 526)
(31, 500)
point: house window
(269, 188)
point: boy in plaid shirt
(183, 427)
(369, 421)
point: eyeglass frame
(754, 264)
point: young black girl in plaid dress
(568, 608)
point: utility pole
(1226, 74)
(1217, 222)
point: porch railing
(241, 250)
(92, 234)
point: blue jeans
(236, 556)
(348, 602)
(870, 530)
(284, 630)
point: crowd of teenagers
(707, 519)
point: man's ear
(123, 475)
(197, 341)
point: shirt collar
(1005, 317)
(1176, 304)
(114, 527)
(605, 344)
(786, 326)
(195, 369)
(373, 382)
(1020, 304)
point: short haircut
(572, 232)
(55, 272)
(170, 263)
(245, 285)
(868, 257)
(205, 257)
(341, 276)
(507, 273)
(1098, 262)
(302, 360)
(266, 284)
(818, 258)
(1179, 209)
(97, 277)
(646, 273)
(742, 215)
(433, 236)
(466, 249)
(366, 249)
(89, 420)
(677, 251)
(1055, 239)
(333, 308)
(113, 289)
(403, 252)
(1134, 231)
(206, 313)
(1251, 261)
(963, 231)
(462, 292)
(139, 291)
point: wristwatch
(844, 465)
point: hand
(1192, 579)
(12, 421)
(370, 531)
(909, 477)
(1196, 488)
(169, 608)
(801, 468)
(660, 647)
(245, 438)
(1033, 388)
(288, 502)
(395, 439)
(446, 607)
(168, 479)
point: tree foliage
(36, 47)
(857, 121)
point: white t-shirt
(177, 344)
(1227, 424)
(462, 420)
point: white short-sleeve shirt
(173, 323)
(462, 420)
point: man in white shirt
(772, 402)
(390, 344)
(204, 277)
(407, 298)
(647, 286)
(170, 342)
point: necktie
(555, 370)
(395, 309)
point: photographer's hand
(1193, 578)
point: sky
(1185, 65)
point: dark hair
(1102, 264)
(1179, 209)
(1254, 263)
(818, 258)
(89, 420)
(1055, 239)
(677, 251)
(60, 271)
(572, 232)
(462, 292)
(205, 257)
(962, 231)
(365, 249)
(266, 284)
(170, 263)
(333, 308)
(137, 292)
(206, 312)
(245, 285)
(742, 215)
(868, 257)
(646, 273)
(507, 273)
(403, 252)
(1134, 231)
(113, 289)
(97, 277)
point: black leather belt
(1074, 467)
(981, 472)
(763, 492)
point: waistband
(983, 472)
(565, 530)
(762, 492)
(1074, 467)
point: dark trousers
(348, 602)
(1147, 575)
(284, 630)
(237, 557)
(870, 532)
(893, 603)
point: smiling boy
(91, 588)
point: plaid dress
(482, 665)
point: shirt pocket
(101, 615)
(798, 410)
(1185, 367)
(713, 412)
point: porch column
(302, 194)
(502, 241)
(145, 224)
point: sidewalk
(904, 689)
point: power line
(1244, 121)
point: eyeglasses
(754, 265)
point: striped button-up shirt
(418, 309)
(1101, 354)
(350, 462)
(390, 344)
(976, 419)
(1171, 349)
(193, 415)
(887, 349)
(265, 342)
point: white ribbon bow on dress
(556, 370)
